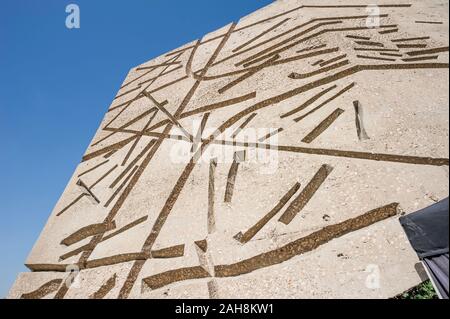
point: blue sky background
(56, 84)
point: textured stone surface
(141, 207)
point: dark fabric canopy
(427, 231)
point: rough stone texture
(162, 200)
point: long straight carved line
(103, 177)
(243, 125)
(306, 194)
(132, 163)
(211, 219)
(308, 102)
(347, 88)
(105, 288)
(276, 256)
(125, 228)
(117, 191)
(109, 148)
(272, 61)
(71, 204)
(322, 126)
(421, 58)
(297, 76)
(251, 232)
(382, 157)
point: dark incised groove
(430, 22)
(250, 73)
(406, 159)
(243, 125)
(105, 288)
(348, 87)
(251, 232)
(172, 198)
(391, 54)
(308, 102)
(71, 204)
(370, 43)
(208, 108)
(357, 37)
(86, 232)
(388, 31)
(103, 177)
(133, 163)
(117, 191)
(427, 51)
(376, 50)
(306, 194)
(296, 76)
(43, 290)
(411, 45)
(171, 276)
(130, 151)
(374, 58)
(125, 228)
(211, 196)
(322, 126)
(339, 57)
(93, 168)
(421, 58)
(170, 252)
(410, 39)
(269, 135)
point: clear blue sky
(57, 83)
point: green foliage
(423, 291)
